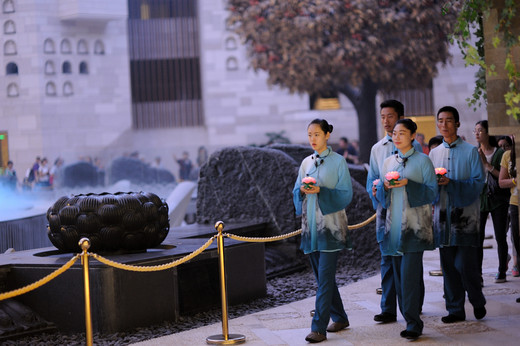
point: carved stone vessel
(124, 221)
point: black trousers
(515, 229)
(499, 218)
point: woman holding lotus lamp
(321, 193)
(407, 192)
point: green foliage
(469, 24)
(311, 46)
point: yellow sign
(325, 104)
(427, 125)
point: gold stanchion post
(84, 243)
(225, 338)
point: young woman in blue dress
(409, 228)
(324, 225)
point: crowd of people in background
(43, 176)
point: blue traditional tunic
(409, 217)
(380, 151)
(324, 220)
(457, 209)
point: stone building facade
(65, 83)
(72, 93)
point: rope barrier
(288, 235)
(364, 223)
(157, 267)
(262, 239)
(175, 263)
(224, 338)
(40, 282)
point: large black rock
(364, 241)
(358, 173)
(299, 152)
(121, 221)
(81, 174)
(138, 172)
(240, 184)
(248, 184)
(296, 151)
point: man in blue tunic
(391, 111)
(456, 217)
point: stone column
(497, 85)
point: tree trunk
(364, 101)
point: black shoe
(518, 300)
(479, 312)
(385, 317)
(410, 334)
(452, 319)
(500, 278)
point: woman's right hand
(444, 180)
(311, 190)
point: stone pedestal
(123, 300)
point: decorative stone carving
(124, 221)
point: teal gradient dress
(324, 220)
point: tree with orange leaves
(353, 47)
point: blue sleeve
(338, 198)
(373, 174)
(383, 195)
(297, 195)
(464, 192)
(426, 192)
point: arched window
(99, 48)
(11, 68)
(50, 89)
(231, 43)
(12, 90)
(9, 47)
(66, 68)
(49, 46)
(8, 6)
(9, 27)
(82, 47)
(67, 89)
(232, 64)
(49, 67)
(83, 67)
(65, 47)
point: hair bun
(330, 128)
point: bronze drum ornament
(123, 221)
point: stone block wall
(53, 113)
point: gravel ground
(280, 290)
